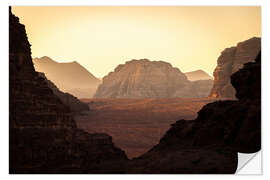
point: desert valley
(136, 125)
(144, 116)
(139, 100)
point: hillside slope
(68, 77)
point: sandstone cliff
(231, 60)
(197, 75)
(210, 143)
(150, 79)
(68, 77)
(74, 104)
(43, 137)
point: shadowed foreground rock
(209, 144)
(69, 100)
(43, 135)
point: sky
(101, 38)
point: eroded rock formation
(150, 79)
(43, 135)
(230, 61)
(210, 143)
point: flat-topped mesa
(148, 79)
(230, 61)
(141, 79)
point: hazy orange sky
(100, 38)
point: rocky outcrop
(149, 79)
(230, 61)
(247, 81)
(210, 143)
(43, 137)
(69, 100)
(198, 75)
(68, 77)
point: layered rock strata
(150, 79)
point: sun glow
(100, 38)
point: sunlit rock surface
(150, 79)
(230, 61)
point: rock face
(197, 75)
(210, 143)
(68, 77)
(69, 100)
(231, 60)
(43, 135)
(149, 79)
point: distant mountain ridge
(68, 77)
(150, 79)
(198, 75)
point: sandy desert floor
(136, 125)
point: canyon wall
(231, 60)
(43, 137)
(210, 143)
